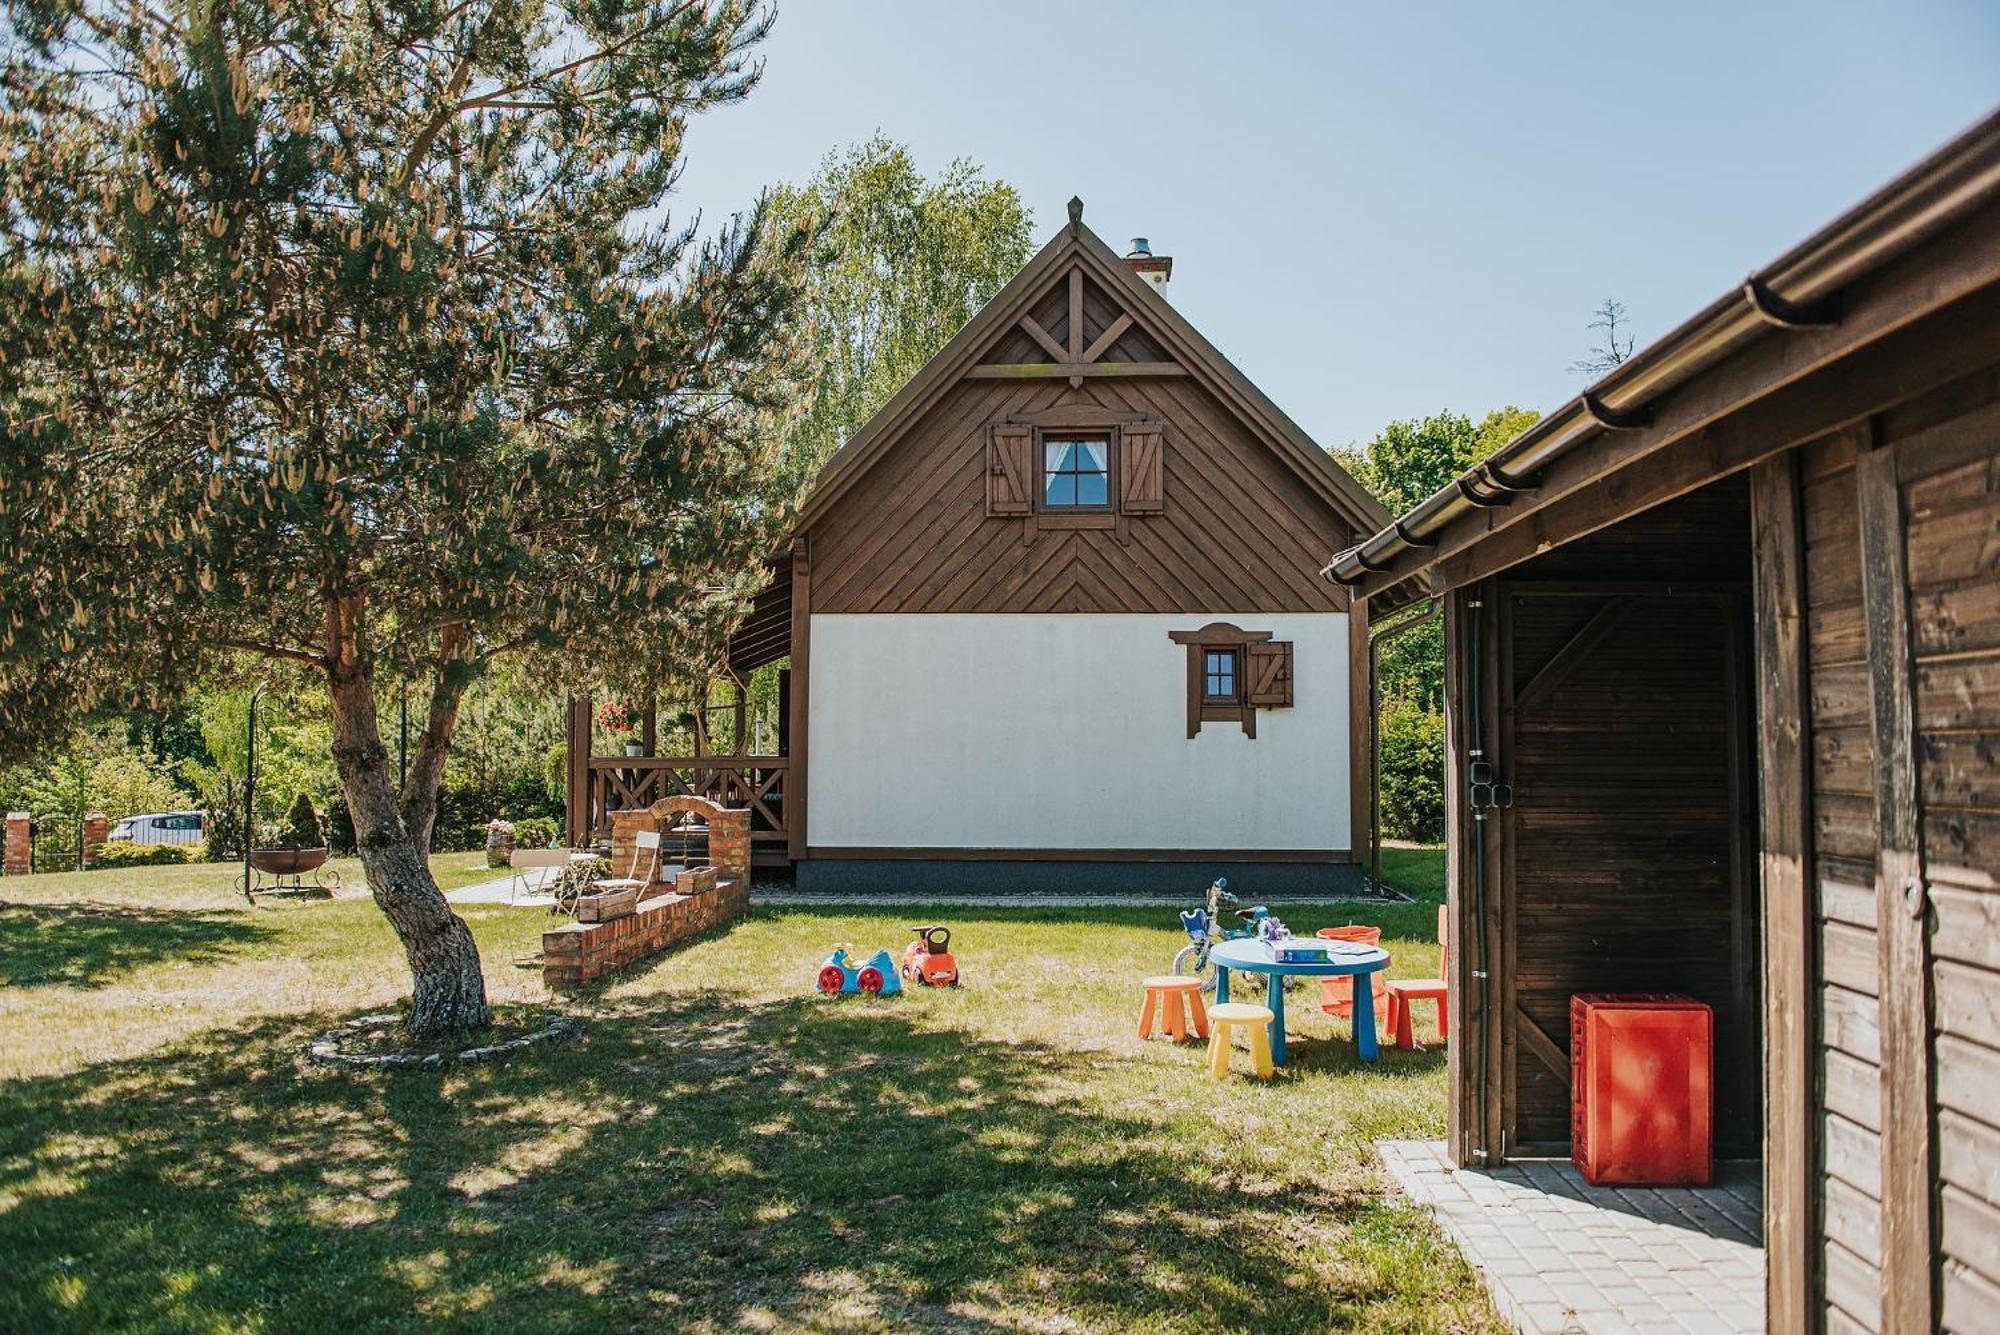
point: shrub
(1412, 772)
(125, 853)
(302, 825)
(535, 832)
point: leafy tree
(905, 262)
(350, 337)
(1403, 464)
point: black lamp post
(250, 788)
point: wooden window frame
(1235, 696)
(1112, 491)
(1203, 708)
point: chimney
(1155, 269)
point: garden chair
(646, 848)
(524, 860)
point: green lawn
(724, 1150)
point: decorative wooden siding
(1625, 736)
(1237, 531)
(1849, 1151)
(1948, 476)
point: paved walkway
(495, 892)
(1560, 1255)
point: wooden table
(1353, 960)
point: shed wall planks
(1946, 455)
(1849, 1052)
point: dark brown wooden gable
(1236, 533)
(1208, 513)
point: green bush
(1412, 772)
(302, 825)
(535, 832)
(125, 853)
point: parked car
(161, 827)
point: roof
(1077, 246)
(1823, 299)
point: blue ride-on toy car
(875, 976)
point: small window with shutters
(1072, 461)
(1233, 673)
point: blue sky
(1381, 210)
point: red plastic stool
(1403, 991)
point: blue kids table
(1356, 961)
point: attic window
(1076, 473)
(1233, 673)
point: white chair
(524, 860)
(646, 845)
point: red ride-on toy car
(928, 959)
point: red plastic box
(1642, 1079)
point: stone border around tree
(328, 1049)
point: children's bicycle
(1205, 929)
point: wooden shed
(1723, 677)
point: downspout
(1375, 642)
(1475, 753)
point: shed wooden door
(1624, 718)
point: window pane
(1061, 489)
(1052, 453)
(1094, 452)
(1092, 489)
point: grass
(723, 1151)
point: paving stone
(1561, 1255)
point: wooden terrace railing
(620, 783)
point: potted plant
(301, 845)
(499, 842)
(618, 718)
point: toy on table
(874, 976)
(928, 959)
(1270, 931)
(1205, 930)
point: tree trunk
(450, 991)
(420, 791)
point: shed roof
(1927, 240)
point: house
(1052, 618)
(1723, 677)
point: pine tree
(351, 337)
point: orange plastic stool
(1403, 991)
(1336, 995)
(1180, 1020)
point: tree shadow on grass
(88, 945)
(695, 1163)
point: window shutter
(1142, 471)
(1270, 675)
(1010, 471)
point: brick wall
(20, 844)
(578, 952)
(96, 830)
(704, 897)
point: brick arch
(688, 804)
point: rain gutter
(1801, 290)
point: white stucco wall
(1065, 732)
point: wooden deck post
(1901, 904)
(1784, 751)
(576, 784)
(795, 777)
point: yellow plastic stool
(1225, 1018)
